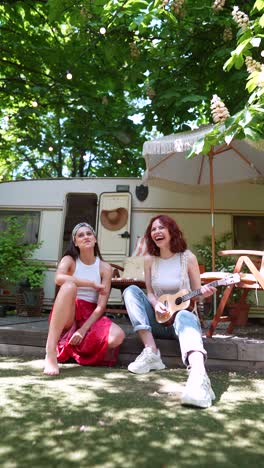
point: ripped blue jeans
(186, 324)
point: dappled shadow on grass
(16, 367)
(89, 417)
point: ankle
(51, 352)
(196, 370)
(196, 361)
(154, 349)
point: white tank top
(88, 272)
(170, 275)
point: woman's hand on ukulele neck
(207, 290)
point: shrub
(204, 253)
(16, 257)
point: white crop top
(170, 275)
(88, 272)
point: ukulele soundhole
(178, 301)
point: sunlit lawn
(91, 417)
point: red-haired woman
(77, 327)
(170, 267)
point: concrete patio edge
(28, 339)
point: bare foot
(51, 364)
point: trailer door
(113, 225)
(79, 207)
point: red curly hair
(177, 242)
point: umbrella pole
(212, 207)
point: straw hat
(113, 220)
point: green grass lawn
(99, 417)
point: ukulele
(182, 299)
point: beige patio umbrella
(166, 164)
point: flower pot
(29, 301)
(238, 314)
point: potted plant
(238, 309)
(19, 268)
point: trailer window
(30, 220)
(249, 232)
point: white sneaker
(146, 361)
(212, 393)
(198, 390)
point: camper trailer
(54, 206)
